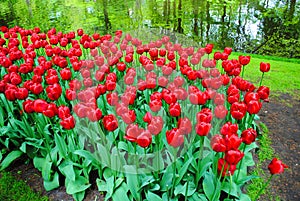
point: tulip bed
(153, 121)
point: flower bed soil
(282, 118)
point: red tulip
(263, 92)
(184, 125)
(94, 115)
(110, 122)
(75, 85)
(65, 74)
(217, 56)
(224, 168)
(227, 50)
(229, 129)
(70, 94)
(63, 112)
(156, 125)
(276, 166)
(264, 67)
(168, 96)
(179, 81)
(220, 111)
(121, 66)
(205, 115)
(163, 81)
(253, 107)
(129, 117)
(15, 78)
(68, 123)
(54, 91)
(51, 111)
(219, 99)
(202, 128)
(28, 106)
(170, 55)
(147, 117)
(36, 88)
(40, 105)
(244, 60)
(218, 143)
(198, 98)
(155, 105)
(208, 48)
(144, 139)
(132, 132)
(248, 136)
(175, 109)
(160, 62)
(249, 96)
(238, 110)
(21, 93)
(232, 142)
(233, 156)
(174, 137)
(112, 98)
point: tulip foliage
(153, 121)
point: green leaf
(79, 196)
(119, 182)
(61, 144)
(110, 186)
(102, 187)
(67, 169)
(208, 185)
(250, 147)
(146, 180)
(244, 197)
(132, 181)
(80, 184)
(46, 170)
(158, 162)
(38, 163)
(10, 158)
(248, 159)
(122, 146)
(166, 180)
(231, 188)
(246, 179)
(198, 197)
(1, 117)
(87, 155)
(153, 197)
(183, 170)
(107, 173)
(181, 189)
(121, 193)
(50, 185)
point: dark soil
(281, 118)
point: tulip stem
(243, 70)
(240, 164)
(186, 190)
(267, 183)
(262, 77)
(200, 157)
(174, 171)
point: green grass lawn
(14, 190)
